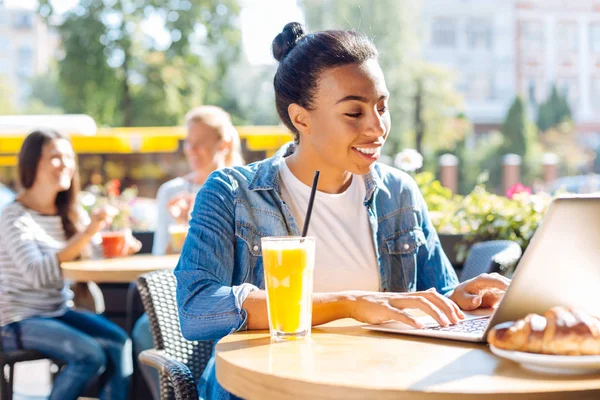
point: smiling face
(56, 167)
(203, 148)
(349, 121)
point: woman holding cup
(41, 229)
(212, 142)
(377, 252)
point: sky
(261, 21)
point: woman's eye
(353, 115)
(383, 110)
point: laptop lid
(561, 265)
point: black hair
(302, 57)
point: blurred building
(475, 39)
(27, 47)
(501, 48)
(558, 42)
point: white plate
(547, 363)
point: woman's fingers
(423, 304)
(449, 307)
(485, 282)
(485, 290)
(491, 298)
(392, 313)
(467, 301)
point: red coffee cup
(113, 243)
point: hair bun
(287, 39)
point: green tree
(554, 111)
(514, 129)
(120, 73)
(439, 124)
(519, 136)
(45, 96)
(45, 89)
(6, 94)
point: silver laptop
(561, 266)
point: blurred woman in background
(212, 142)
(41, 229)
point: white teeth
(368, 151)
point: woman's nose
(376, 125)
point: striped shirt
(31, 282)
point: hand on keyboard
(469, 326)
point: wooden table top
(344, 361)
(116, 270)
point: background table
(116, 279)
(345, 361)
(116, 270)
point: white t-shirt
(166, 192)
(345, 256)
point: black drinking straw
(311, 200)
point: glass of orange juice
(289, 263)
(177, 234)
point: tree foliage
(128, 62)
(6, 94)
(519, 136)
(554, 111)
(515, 130)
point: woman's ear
(299, 117)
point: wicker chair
(179, 362)
(490, 256)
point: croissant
(561, 331)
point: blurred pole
(449, 172)
(550, 163)
(511, 171)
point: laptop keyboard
(469, 326)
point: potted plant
(479, 216)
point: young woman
(377, 252)
(41, 229)
(212, 142)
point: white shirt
(166, 192)
(345, 256)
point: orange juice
(288, 266)
(178, 233)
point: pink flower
(516, 189)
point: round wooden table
(344, 361)
(116, 270)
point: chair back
(157, 290)
(490, 256)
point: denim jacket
(221, 258)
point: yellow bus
(144, 156)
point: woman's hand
(485, 290)
(180, 207)
(132, 245)
(100, 218)
(377, 307)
